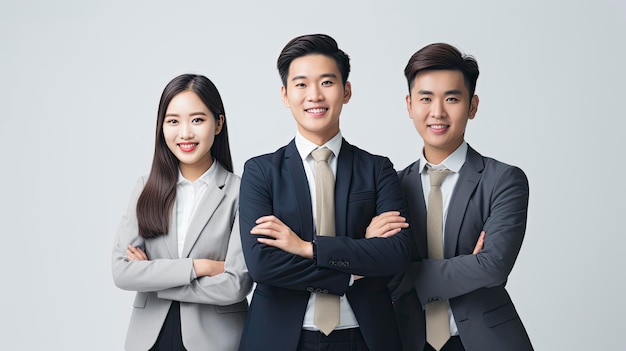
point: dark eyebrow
(449, 92)
(198, 113)
(325, 75)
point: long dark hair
(155, 203)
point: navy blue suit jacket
(366, 185)
(490, 196)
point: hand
(135, 254)
(281, 237)
(480, 243)
(385, 225)
(207, 268)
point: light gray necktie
(326, 316)
(437, 321)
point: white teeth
(438, 126)
(187, 146)
(316, 110)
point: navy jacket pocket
(500, 315)
(362, 196)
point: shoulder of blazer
(475, 160)
(413, 167)
(225, 178)
(276, 157)
(360, 154)
(493, 167)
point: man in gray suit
(459, 274)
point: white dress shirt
(188, 194)
(454, 162)
(305, 147)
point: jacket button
(310, 289)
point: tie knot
(437, 175)
(321, 154)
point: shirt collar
(453, 162)
(205, 177)
(305, 146)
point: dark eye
(197, 120)
(171, 121)
(452, 99)
(425, 99)
(327, 83)
(300, 85)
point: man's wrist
(314, 250)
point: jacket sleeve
(269, 265)
(145, 276)
(352, 253)
(223, 289)
(505, 227)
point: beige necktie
(437, 322)
(326, 316)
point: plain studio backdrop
(79, 89)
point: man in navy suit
(484, 218)
(289, 260)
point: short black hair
(442, 56)
(311, 44)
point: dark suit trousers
(170, 338)
(454, 344)
(338, 340)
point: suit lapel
(206, 206)
(172, 238)
(342, 186)
(414, 194)
(301, 190)
(469, 176)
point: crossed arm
(197, 280)
(282, 237)
(202, 267)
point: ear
(408, 104)
(473, 107)
(347, 92)
(220, 123)
(283, 95)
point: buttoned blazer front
(490, 196)
(212, 309)
(366, 185)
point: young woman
(178, 245)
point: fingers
(393, 232)
(386, 224)
(267, 228)
(480, 243)
(386, 217)
(268, 242)
(135, 254)
(270, 226)
(266, 219)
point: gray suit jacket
(212, 309)
(490, 196)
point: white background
(79, 88)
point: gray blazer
(212, 309)
(490, 196)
